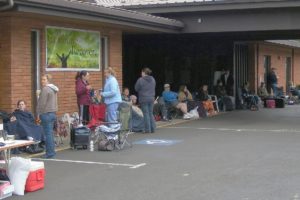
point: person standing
(111, 95)
(145, 87)
(82, 89)
(272, 80)
(46, 110)
(228, 82)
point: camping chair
(97, 115)
(117, 131)
(214, 99)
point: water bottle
(91, 145)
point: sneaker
(187, 116)
(165, 119)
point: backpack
(60, 128)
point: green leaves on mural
(72, 49)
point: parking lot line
(239, 130)
(131, 166)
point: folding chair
(214, 99)
(117, 131)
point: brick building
(203, 38)
(283, 55)
(23, 45)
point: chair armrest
(213, 97)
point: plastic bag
(194, 113)
(18, 172)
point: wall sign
(72, 49)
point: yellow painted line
(175, 123)
(43, 153)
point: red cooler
(36, 177)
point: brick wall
(5, 62)
(20, 61)
(278, 54)
(296, 67)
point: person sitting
(22, 125)
(171, 100)
(125, 95)
(262, 91)
(221, 94)
(205, 99)
(184, 96)
(160, 111)
(137, 119)
(248, 97)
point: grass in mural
(68, 48)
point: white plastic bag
(18, 172)
(194, 113)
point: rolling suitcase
(80, 137)
(279, 103)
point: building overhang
(92, 12)
(220, 5)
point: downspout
(8, 6)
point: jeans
(149, 120)
(274, 89)
(47, 121)
(112, 112)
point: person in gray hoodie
(145, 87)
(46, 110)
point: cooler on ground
(36, 177)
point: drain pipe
(8, 6)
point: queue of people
(144, 105)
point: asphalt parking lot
(241, 155)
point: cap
(166, 85)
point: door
(267, 69)
(241, 65)
(288, 77)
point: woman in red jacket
(83, 95)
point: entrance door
(267, 69)
(35, 67)
(288, 72)
(241, 65)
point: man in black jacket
(228, 82)
(272, 81)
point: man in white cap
(171, 100)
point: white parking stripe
(131, 166)
(239, 130)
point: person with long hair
(206, 101)
(46, 110)
(184, 94)
(82, 88)
(111, 94)
(145, 87)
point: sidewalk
(66, 141)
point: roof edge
(92, 12)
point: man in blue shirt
(170, 98)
